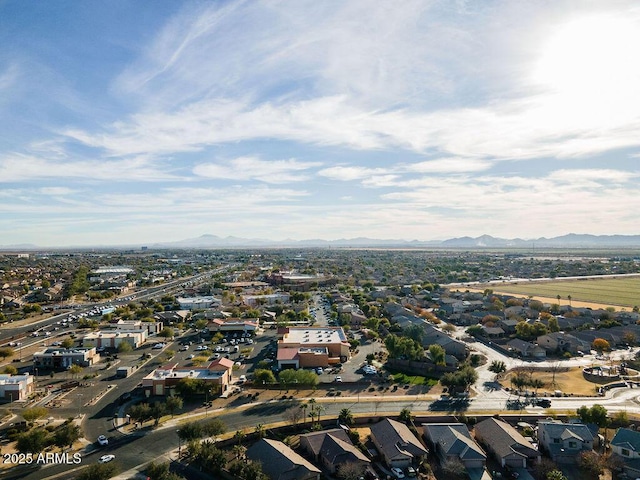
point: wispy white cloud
(249, 168)
(19, 167)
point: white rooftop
(314, 335)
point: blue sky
(135, 122)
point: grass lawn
(607, 291)
(404, 379)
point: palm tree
(345, 417)
(569, 297)
(239, 451)
(260, 430)
(312, 408)
(239, 435)
(304, 407)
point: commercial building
(62, 358)
(163, 381)
(197, 303)
(16, 387)
(312, 347)
(233, 325)
(113, 339)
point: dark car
(543, 402)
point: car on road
(102, 440)
(158, 346)
(543, 402)
(184, 348)
(397, 472)
(338, 379)
(106, 458)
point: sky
(129, 122)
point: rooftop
(314, 335)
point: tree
(66, 434)
(98, 471)
(596, 414)
(34, 441)
(67, 343)
(454, 468)
(293, 415)
(262, 376)
(6, 352)
(555, 475)
(260, 430)
(498, 367)
(345, 417)
(140, 412)
(167, 332)
(157, 410)
(437, 354)
(34, 413)
(75, 370)
(124, 347)
(405, 415)
(620, 419)
(461, 379)
(214, 427)
(601, 345)
(350, 471)
(10, 370)
(553, 324)
(190, 431)
(173, 403)
(590, 464)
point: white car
(106, 458)
(158, 346)
(397, 472)
(102, 440)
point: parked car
(158, 346)
(106, 458)
(102, 440)
(397, 472)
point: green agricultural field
(611, 291)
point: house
(164, 380)
(525, 349)
(564, 441)
(62, 358)
(506, 444)
(508, 325)
(451, 345)
(16, 387)
(562, 342)
(452, 441)
(332, 448)
(397, 445)
(280, 462)
(626, 445)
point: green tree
(405, 416)
(555, 475)
(10, 370)
(498, 367)
(167, 332)
(190, 431)
(124, 347)
(98, 471)
(34, 413)
(553, 324)
(345, 417)
(66, 435)
(67, 343)
(214, 428)
(173, 403)
(596, 414)
(263, 377)
(33, 441)
(158, 409)
(75, 370)
(6, 352)
(437, 354)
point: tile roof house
(332, 448)
(280, 462)
(626, 445)
(453, 441)
(564, 441)
(506, 444)
(396, 443)
(526, 349)
(562, 342)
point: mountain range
(209, 241)
(485, 241)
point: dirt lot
(566, 381)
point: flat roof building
(312, 346)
